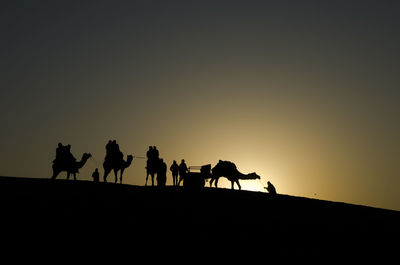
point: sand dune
(69, 213)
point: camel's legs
(116, 175)
(120, 178)
(74, 176)
(216, 182)
(68, 175)
(55, 174)
(237, 182)
(106, 172)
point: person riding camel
(109, 148)
(156, 154)
(63, 154)
(112, 151)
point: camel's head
(86, 156)
(129, 158)
(217, 169)
(254, 175)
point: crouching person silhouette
(271, 189)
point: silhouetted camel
(71, 167)
(228, 170)
(116, 165)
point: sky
(305, 93)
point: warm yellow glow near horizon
(294, 147)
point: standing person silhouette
(161, 173)
(96, 175)
(151, 165)
(150, 159)
(182, 171)
(174, 170)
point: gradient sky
(305, 93)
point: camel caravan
(194, 177)
(114, 161)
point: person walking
(182, 171)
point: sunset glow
(305, 95)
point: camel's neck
(82, 162)
(245, 176)
(127, 163)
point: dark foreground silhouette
(100, 218)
